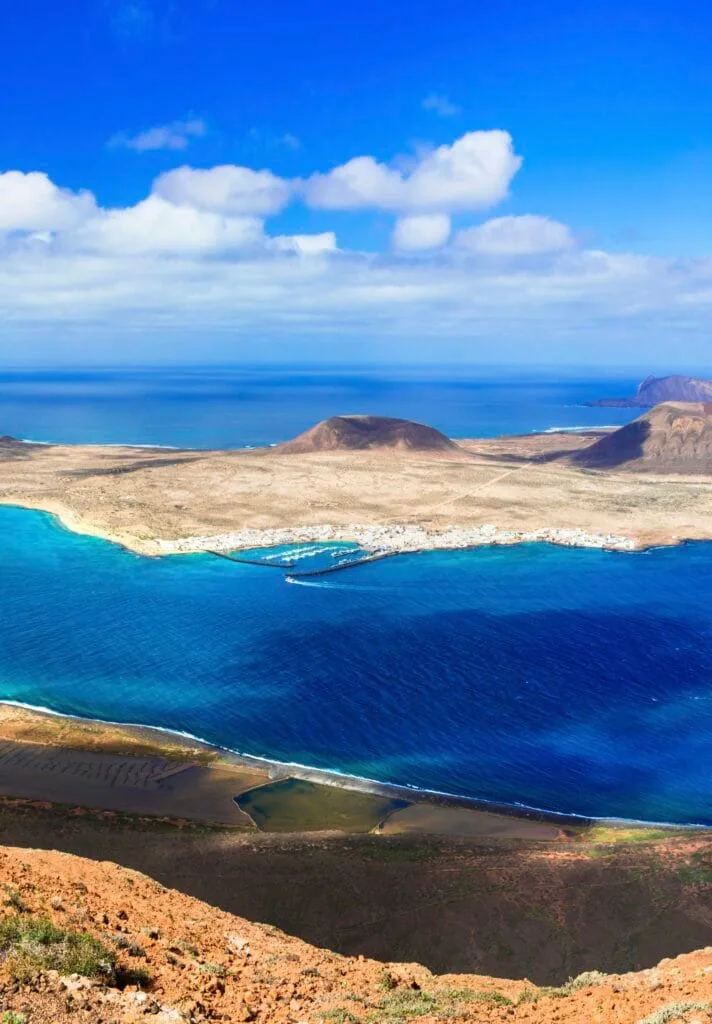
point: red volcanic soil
(181, 960)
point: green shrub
(527, 995)
(33, 944)
(14, 899)
(586, 980)
(218, 970)
(408, 1003)
(672, 1012)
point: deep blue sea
(232, 407)
(569, 680)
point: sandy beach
(139, 770)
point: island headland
(388, 485)
(654, 390)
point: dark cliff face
(654, 390)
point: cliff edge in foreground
(85, 941)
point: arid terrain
(675, 437)
(121, 947)
(222, 499)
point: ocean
(569, 680)
(229, 407)
(564, 679)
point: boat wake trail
(332, 586)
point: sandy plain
(156, 501)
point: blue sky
(537, 181)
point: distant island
(654, 390)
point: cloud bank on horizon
(198, 254)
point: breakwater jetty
(375, 556)
(252, 561)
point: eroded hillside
(151, 953)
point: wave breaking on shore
(276, 770)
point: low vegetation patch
(339, 1017)
(401, 1004)
(31, 944)
(618, 834)
(672, 1012)
(14, 899)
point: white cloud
(517, 236)
(176, 135)
(194, 256)
(31, 202)
(441, 105)
(306, 245)
(157, 226)
(228, 189)
(473, 172)
(421, 231)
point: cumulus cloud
(440, 105)
(157, 226)
(227, 189)
(517, 236)
(421, 231)
(473, 172)
(194, 255)
(174, 136)
(31, 202)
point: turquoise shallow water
(570, 680)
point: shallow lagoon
(569, 680)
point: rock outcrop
(675, 437)
(654, 390)
(356, 433)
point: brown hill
(356, 433)
(654, 390)
(119, 947)
(675, 437)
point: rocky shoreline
(396, 538)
